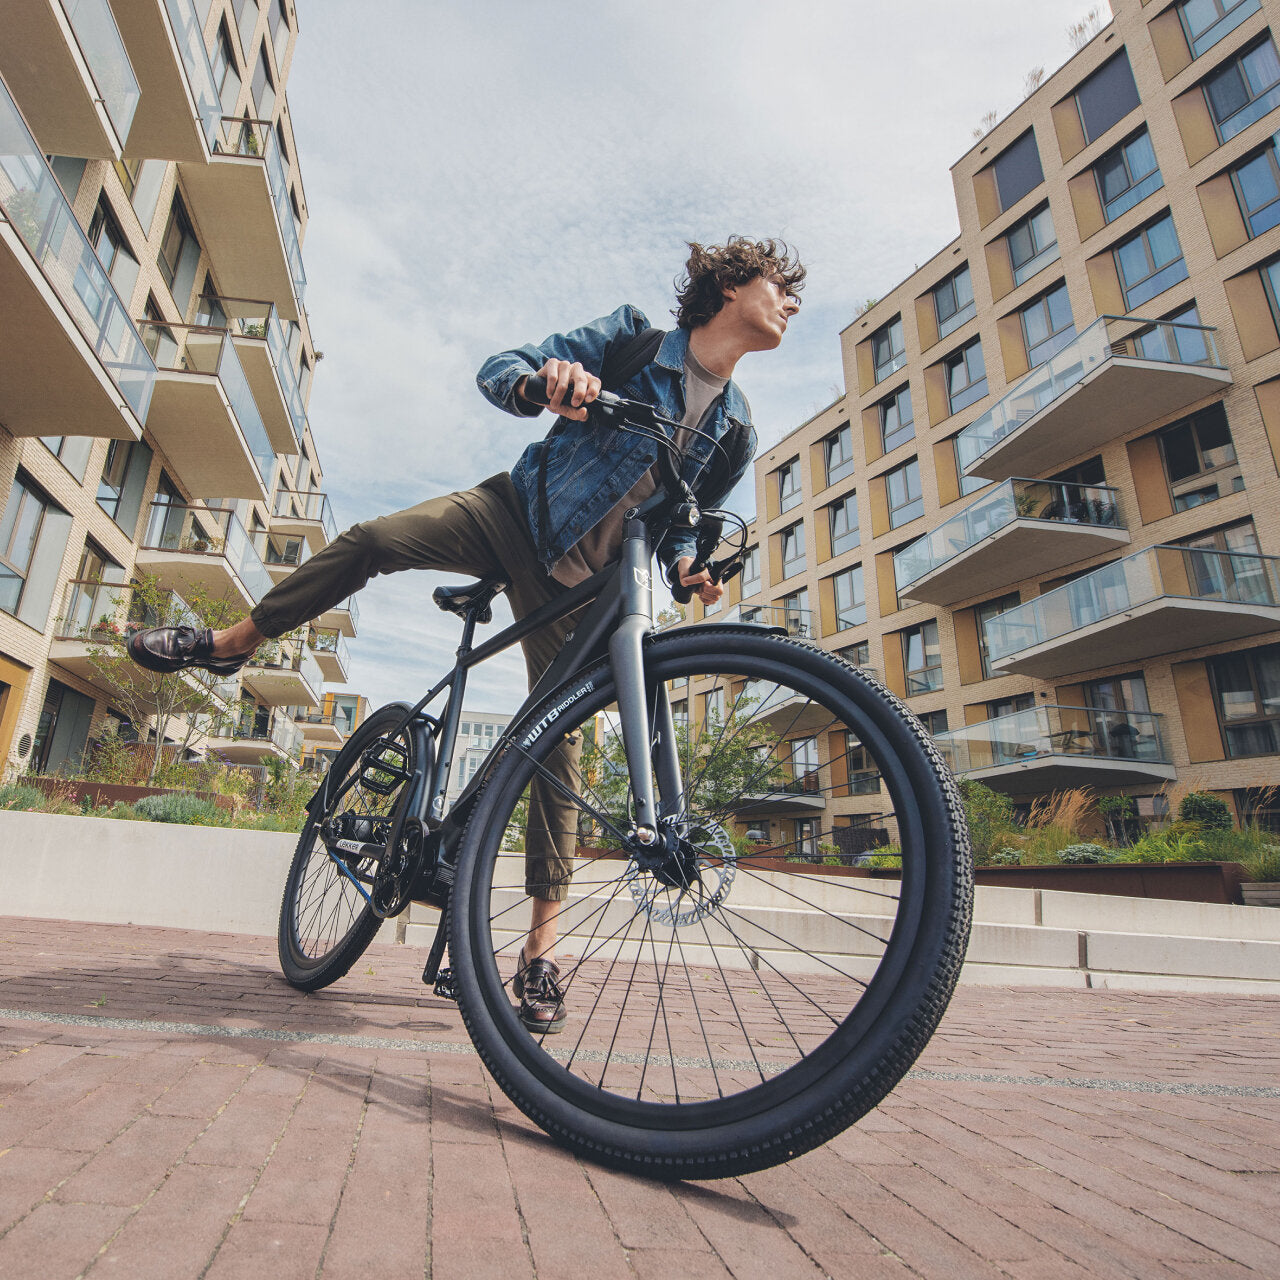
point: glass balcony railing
(306, 506)
(352, 610)
(32, 202)
(273, 728)
(1110, 336)
(251, 318)
(1054, 731)
(199, 350)
(1186, 573)
(174, 526)
(243, 137)
(289, 653)
(797, 622)
(108, 62)
(318, 718)
(110, 611)
(1016, 499)
(189, 36)
(330, 641)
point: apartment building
(326, 729)
(155, 359)
(476, 736)
(1047, 509)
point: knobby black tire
(314, 879)
(831, 1084)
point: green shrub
(21, 795)
(989, 815)
(179, 807)
(1210, 811)
(1264, 864)
(890, 860)
(1078, 855)
(1165, 846)
(1006, 857)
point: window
(1018, 170)
(968, 484)
(113, 252)
(1106, 97)
(843, 515)
(897, 424)
(1046, 325)
(1188, 343)
(1257, 187)
(1225, 564)
(935, 722)
(1149, 262)
(953, 301)
(225, 76)
(888, 349)
(33, 538)
(802, 755)
(1270, 272)
(1200, 458)
(1033, 244)
(124, 482)
(179, 255)
(751, 571)
(851, 604)
(62, 732)
(998, 707)
(280, 29)
(859, 654)
(264, 89)
(247, 23)
(837, 451)
(795, 613)
(1127, 175)
(966, 376)
(788, 478)
(1205, 22)
(905, 497)
(713, 705)
(981, 616)
(85, 603)
(793, 550)
(1244, 89)
(1246, 688)
(72, 451)
(864, 778)
(922, 658)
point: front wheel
(757, 988)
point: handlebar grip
(535, 390)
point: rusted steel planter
(108, 793)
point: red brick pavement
(140, 1153)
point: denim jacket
(589, 468)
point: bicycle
(733, 1009)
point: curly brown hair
(710, 268)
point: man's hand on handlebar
(570, 388)
(708, 592)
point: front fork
(650, 745)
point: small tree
(1117, 814)
(669, 616)
(178, 702)
(989, 815)
(1210, 811)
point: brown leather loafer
(537, 987)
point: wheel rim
(689, 1006)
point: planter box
(1261, 893)
(109, 793)
(1179, 881)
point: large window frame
(1244, 89)
(1205, 22)
(1127, 175)
(1246, 697)
(179, 254)
(1143, 266)
(1018, 170)
(1256, 183)
(953, 302)
(793, 550)
(849, 598)
(984, 613)
(966, 373)
(837, 453)
(1199, 458)
(1047, 324)
(897, 419)
(1106, 97)
(904, 493)
(751, 571)
(790, 490)
(1033, 244)
(34, 531)
(888, 349)
(922, 658)
(842, 518)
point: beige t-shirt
(602, 545)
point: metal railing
(198, 349)
(1054, 731)
(306, 506)
(189, 37)
(104, 53)
(1188, 573)
(256, 726)
(289, 653)
(191, 530)
(244, 137)
(32, 202)
(329, 640)
(1129, 337)
(1015, 499)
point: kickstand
(440, 980)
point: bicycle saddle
(469, 596)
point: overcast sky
(480, 173)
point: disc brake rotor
(712, 860)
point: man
(555, 519)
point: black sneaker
(537, 987)
(166, 649)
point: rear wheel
(326, 921)
(751, 991)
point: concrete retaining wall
(229, 881)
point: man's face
(762, 307)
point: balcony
(253, 737)
(345, 617)
(241, 200)
(304, 515)
(1162, 600)
(1118, 375)
(1055, 748)
(1021, 530)
(65, 62)
(177, 116)
(795, 622)
(70, 353)
(281, 555)
(320, 730)
(283, 674)
(98, 617)
(800, 798)
(330, 652)
(190, 548)
(204, 415)
(262, 345)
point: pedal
(385, 766)
(444, 987)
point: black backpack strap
(622, 361)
